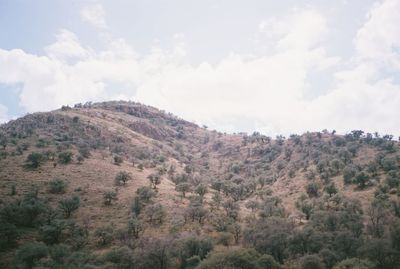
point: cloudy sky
(272, 66)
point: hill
(124, 185)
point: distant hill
(125, 185)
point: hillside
(124, 185)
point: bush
(69, 205)
(312, 262)
(30, 253)
(354, 263)
(65, 157)
(268, 262)
(183, 187)
(312, 189)
(8, 235)
(57, 186)
(238, 259)
(35, 159)
(154, 180)
(109, 197)
(105, 235)
(118, 160)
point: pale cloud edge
(248, 93)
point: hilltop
(125, 185)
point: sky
(276, 67)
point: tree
(105, 235)
(35, 159)
(194, 246)
(30, 253)
(3, 140)
(268, 262)
(252, 205)
(145, 194)
(225, 239)
(305, 205)
(109, 197)
(331, 189)
(135, 227)
(154, 180)
(118, 160)
(312, 189)
(354, 263)
(8, 235)
(362, 179)
(155, 213)
(69, 205)
(122, 177)
(348, 173)
(236, 230)
(312, 262)
(183, 187)
(236, 259)
(201, 190)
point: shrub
(268, 262)
(183, 187)
(312, 262)
(8, 235)
(57, 186)
(118, 160)
(238, 259)
(30, 253)
(65, 157)
(348, 173)
(201, 190)
(154, 180)
(312, 189)
(35, 159)
(155, 213)
(109, 197)
(354, 263)
(105, 235)
(135, 227)
(69, 205)
(122, 177)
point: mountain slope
(214, 188)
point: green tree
(8, 235)
(30, 253)
(312, 189)
(331, 189)
(183, 187)
(354, 263)
(154, 180)
(122, 177)
(105, 235)
(312, 262)
(135, 227)
(109, 197)
(69, 205)
(65, 157)
(35, 159)
(201, 190)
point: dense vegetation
(123, 185)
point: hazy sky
(271, 66)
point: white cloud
(379, 39)
(94, 14)
(66, 47)
(239, 93)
